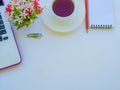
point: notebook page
(100, 13)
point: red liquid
(63, 8)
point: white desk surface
(74, 61)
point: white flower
(23, 14)
(19, 20)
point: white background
(74, 61)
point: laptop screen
(1, 2)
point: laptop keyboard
(2, 30)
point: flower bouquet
(23, 12)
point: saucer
(64, 25)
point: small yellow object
(35, 35)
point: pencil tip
(86, 30)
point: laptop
(9, 53)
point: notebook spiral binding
(101, 26)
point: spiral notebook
(100, 14)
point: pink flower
(16, 1)
(9, 8)
(28, 11)
(37, 6)
(8, 16)
(21, 1)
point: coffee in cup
(63, 8)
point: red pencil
(86, 16)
